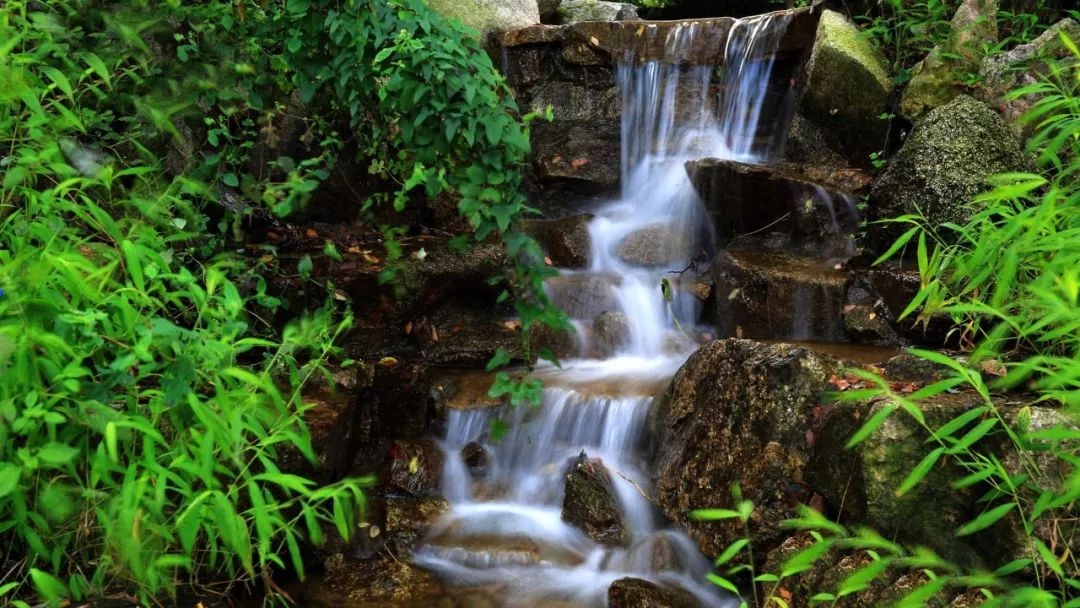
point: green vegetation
(1009, 280)
(145, 403)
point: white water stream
(506, 530)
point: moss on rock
(944, 163)
(489, 15)
(847, 86)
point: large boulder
(937, 79)
(737, 412)
(846, 88)
(639, 593)
(490, 15)
(946, 161)
(572, 11)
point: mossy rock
(847, 87)
(489, 15)
(945, 162)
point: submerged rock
(847, 87)
(590, 503)
(945, 161)
(653, 246)
(610, 333)
(384, 582)
(638, 593)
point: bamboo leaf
(920, 471)
(986, 519)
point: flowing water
(505, 529)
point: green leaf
(871, 425)
(731, 551)
(986, 519)
(9, 478)
(920, 471)
(57, 454)
(722, 582)
(50, 588)
(304, 266)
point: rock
(1021, 66)
(937, 79)
(572, 11)
(549, 10)
(653, 246)
(490, 15)
(771, 295)
(745, 199)
(943, 164)
(413, 468)
(408, 519)
(580, 155)
(584, 295)
(566, 241)
(590, 503)
(737, 412)
(378, 583)
(810, 144)
(637, 593)
(846, 88)
(865, 325)
(477, 459)
(610, 333)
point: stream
(506, 529)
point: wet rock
(770, 295)
(477, 459)
(1021, 66)
(384, 582)
(909, 368)
(653, 246)
(935, 80)
(408, 520)
(924, 515)
(584, 295)
(846, 88)
(566, 241)
(737, 412)
(413, 468)
(610, 333)
(865, 325)
(461, 389)
(944, 163)
(638, 593)
(810, 144)
(463, 334)
(490, 15)
(745, 199)
(572, 11)
(590, 503)
(580, 155)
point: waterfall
(506, 529)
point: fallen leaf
(593, 41)
(548, 261)
(373, 531)
(811, 439)
(738, 332)
(872, 316)
(370, 259)
(311, 234)
(388, 361)
(408, 328)
(578, 163)
(273, 236)
(340, 295)
(354, 250)
(512, 324)
(414, 465)
(849, 308)
(434, 334)
(817, 503)
(840, 383)
(557, 158)
(993, 367)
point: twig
(765, 227)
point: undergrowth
(145, 401)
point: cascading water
(505, 527)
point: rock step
(584, 295)
(746, 200)
(773, 295)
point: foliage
(1009, 280)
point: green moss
(480, 16)
(837, 34)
